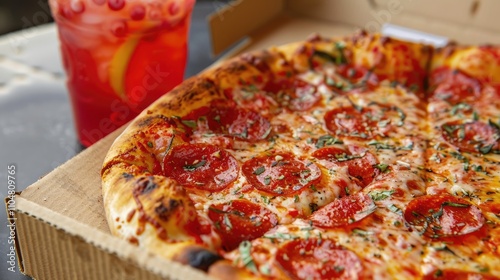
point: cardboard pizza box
(61, 228)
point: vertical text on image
(11, 224)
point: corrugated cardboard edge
(55, 242)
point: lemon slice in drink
(119, 66)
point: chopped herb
(465, 160)
(494, 124)
(265, 199)
(459, 106)
(150, 144)
(340, 59)
(193, 167)
(457, 155)
(461, 133)
(380, 195)
(259, 170)
(383, 123)
(268, 131)
(313, 188)
(449, 129)
(380, 145)
(382, 167)
(477, 168)
(264, 269)
(438, 273)
(324, 55)
(414, 87)
(346, 157)
(267, 180)
(279, 235)
(445, 249)
(483, 269)
(326, 140)
(357, 107)
(189, 123)
(402, 116)
(486, 149)
(475, 116)
(395, 209)
(361, 232)
(227, 222)
(246, 256)
(296, 198)
(338, 268)
(329, 81)
(466, 164)
(454, 204)
(243, 134)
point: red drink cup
(119, 56)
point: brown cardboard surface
(62, 231)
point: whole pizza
(362, 157)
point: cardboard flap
(238, 19)
(354, 13)
(471, 22)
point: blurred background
(19, 14)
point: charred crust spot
(145, 122)
(258, 60)
(150, 120)
(123, 157)
(164, 210)
(197, 257)
(133, 240)
(234, 67)
(304, 49)
(209, 86)
(127, 176)
(145, 186)
(313, 206)
(315, 37)
(384, 40)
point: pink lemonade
(119, 57)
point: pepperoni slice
(344, 211)
(360, 166)
(203, 166)
(472, 137)
(454, 86)
(281, 173)
(293, 93)
(318, 259)
(457, 275)
(240, 220)
(225, 117)
(445, 215)
(366, 122)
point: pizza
(361, 157)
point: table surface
(36, 125)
